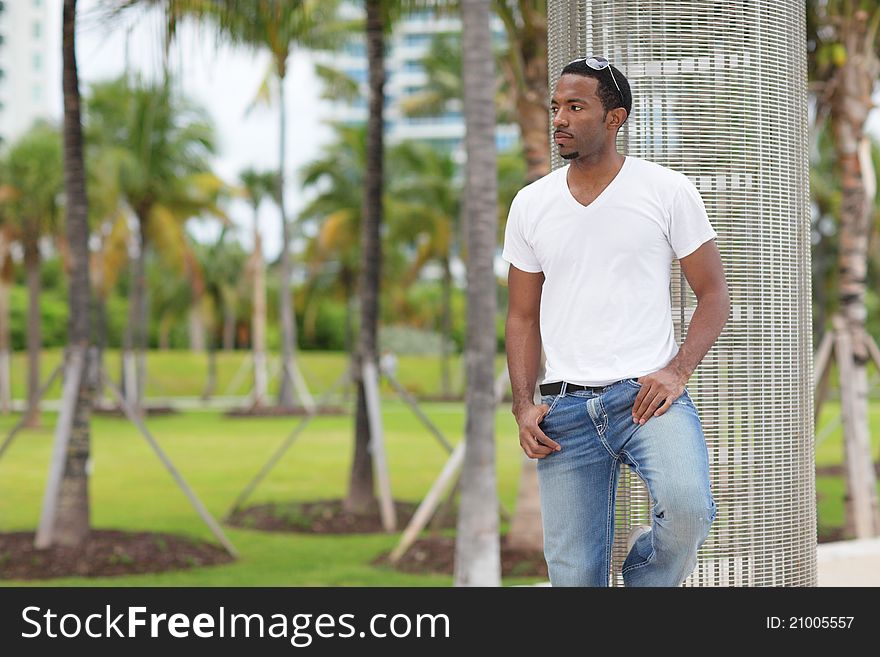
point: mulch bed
(151, 410)
(440, 398)
(106, 552)
(281, 411)
(830, 535)
(322, 517)
(436, 554)
(837, 470)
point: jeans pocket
(552, 400)
(634, 382)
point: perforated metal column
(719, 93)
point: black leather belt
(556, 387)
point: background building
(406, 77)
(24, 67)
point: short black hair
(606, 90)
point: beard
(570, 156)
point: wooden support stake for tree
(129, 371)
(428, 507)
(445, 510)
(270, 464)
(5, 383)
(408, 399)
(282, 449)
(235, 381)
(75, 365)
(873, 350)
(860, 481)
(18, 426)
(502, 381)
(822, 373)
(259, 388)
(207, 518)
(377, 444)
(429, 504)
(823, 357)
(302, 390)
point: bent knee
(687, 520)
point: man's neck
(599, 168)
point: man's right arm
(523, 345)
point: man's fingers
(663, 407)
(536, 444)
(533, 449)
(637, 403)
(545, 441)
(646, 410)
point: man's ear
(616, 117)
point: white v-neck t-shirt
(605, 304)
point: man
(591, 247)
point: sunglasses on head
(598, 64)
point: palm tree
(477, 547)
(108, 214)
(360, 484)
(71, 522)
(845, 36)
(334, 218)
(33, 172)
(521, 98)
(163, 143)
(222, 265)
(426, 188)
(524, 67)
(258, 186)
(523, 63)
(279, 26)
(6, 278)
(171, 296)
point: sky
(224, 81)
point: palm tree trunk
(101, 336)
(258, 321)
(525, 68)
(133, 361)
(164, 337)
(34, 331)
(211, 382)
(196, 327)
(526, 72)
(72, 520)
(532, 114)
(850, 105)
(288, 328)
(5, 352)
(347, 278)
(228, 327)
(477, 545)
(360, 485)
(446, 331)
(126, 362)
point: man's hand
(535, 443)
(659, 390)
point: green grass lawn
(217, 455)
(183, 373)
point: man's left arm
(705, 274)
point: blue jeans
(579, 484)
